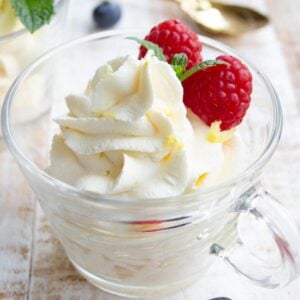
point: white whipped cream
(130, 135)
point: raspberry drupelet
(175, 37)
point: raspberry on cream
(221, 93)
(130, 135)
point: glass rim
(23, 30)
(109, 199)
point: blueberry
(107, 14)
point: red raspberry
(175, 37)
(220, 93)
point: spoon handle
(203, 4)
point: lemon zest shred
(200, 179)
(167, 157)
(215, 135)
(172, 141)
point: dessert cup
(19, 48)
(153, 247)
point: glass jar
(19, 48)
(153, 247)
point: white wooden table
(32, 262)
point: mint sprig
(150, 46)
(179, 60)
(178, 63)
(33, 13)
(199, 67)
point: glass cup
(154, 247)
(19, 48)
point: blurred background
(26, 241)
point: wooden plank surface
(32, 262)
(17, 217)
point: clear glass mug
(19, 48)
(139, 247)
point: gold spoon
(220, 18)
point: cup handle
(282, 231)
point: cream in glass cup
(18, 48)
(153, 247)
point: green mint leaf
(150, 46)
(179, 62)
(203, 65)
(33, 13)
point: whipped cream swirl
(130, 135)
